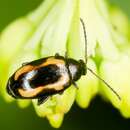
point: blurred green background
(100, 115)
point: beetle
(42, 78)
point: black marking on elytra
(46, 75)
(38, 62)
(42, 99)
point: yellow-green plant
(55, 27)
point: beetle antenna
(85, 36)
(105, 83)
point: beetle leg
(75, 85)
(61, 92)
(66, 55)
(57, 55)
(42, 100)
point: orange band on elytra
(28, 68)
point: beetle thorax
(77, 69)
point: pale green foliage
(54, 27)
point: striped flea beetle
(45, 77)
